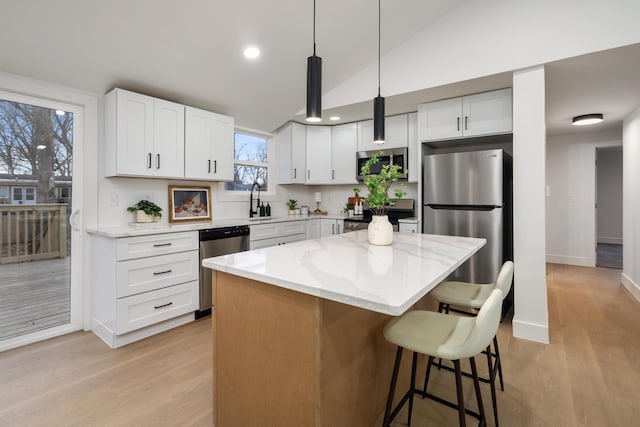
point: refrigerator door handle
(464, 207)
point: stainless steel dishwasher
(216, 242)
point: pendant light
(314, 80)
(587, 119)
(378, 101)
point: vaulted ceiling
(190, 51)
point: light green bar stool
(444, 336)
(471, 296)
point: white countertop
(347, 269)
(142, 229)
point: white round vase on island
(380, 230)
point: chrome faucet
(251, 211)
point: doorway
(39, 292)
(609, 207)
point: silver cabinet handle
(295, 173)
(308, 173)
(159, 245)
(333, 229)
(157, 161)
(458, 121)
(338, 228)
(149, 162)
(163, 305)
(209, 168)
(466, 122)
(158, 273)
(333, 174)
(215, 166)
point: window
(250, 162)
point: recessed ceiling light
(334, 118)
(60, 113)
(251, 52)
(587, 119)
(41, 147)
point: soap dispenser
(262, 209)
(268, 210)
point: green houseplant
(378, 199)
(292, 204)
(146, 211)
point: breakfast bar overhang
(297, 328)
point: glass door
(39, 294)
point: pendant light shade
(378, 120)
(314, 88)
(378, 102)
(314, 80)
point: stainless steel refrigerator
(469, 194)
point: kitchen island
(297, 328)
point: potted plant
(379, 201)
(292, 204)
(146, 211)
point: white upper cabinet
(144, 136)
(344, 142)
(292, 154)
(395, 134)
(318, 155)
(208, 145)
(487, 113)
(415, 148)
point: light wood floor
(588, 376)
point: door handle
(308, 173)
(294, 173)
(458, 121)
(159, 245)
(73, 220)
(157, 273)
(333, 229)
(209, 169)
(215, 166)
(466, 123)
(163, 305)
(149, 161)
(333, 174)
(157, 161)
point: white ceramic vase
(143, 217)
(380, 230)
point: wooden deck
(34, 295)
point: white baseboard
(632, 287)
(570, 260)
(610, 240)
(115, 341)
(530, 331)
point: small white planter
(380, 230)
(143, 217)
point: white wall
(571, 179)
(631, 203)
(609, 196)
(481, 38)
(530, 319)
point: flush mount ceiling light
(587, 119)
(334, 118)
(251, 52)
(378, 101)
(314, 80)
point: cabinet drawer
(278, 229)
(142, 310)
(156, 244)
(147, 274)
(281, 240)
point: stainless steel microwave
(391, 156)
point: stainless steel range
(404, 208)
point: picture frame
(189, 203)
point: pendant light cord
(379, 25)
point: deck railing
(32, 232)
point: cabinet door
(440, 119)
(313, 228)
(168, 139)
(285, 165)
(222, 140)
(415, 148)
(197, 144)
(298, 153)
(134, 134)
(328, 227)
(365, 136)
(344, 144)
(395, 132)
(318, 155)
(487, 113)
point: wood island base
(282, 358)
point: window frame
(233, 195)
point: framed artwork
(189, 203)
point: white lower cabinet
(408, 227)
(143, 285)
(277, 233)
(330, 227)
(313, 228)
